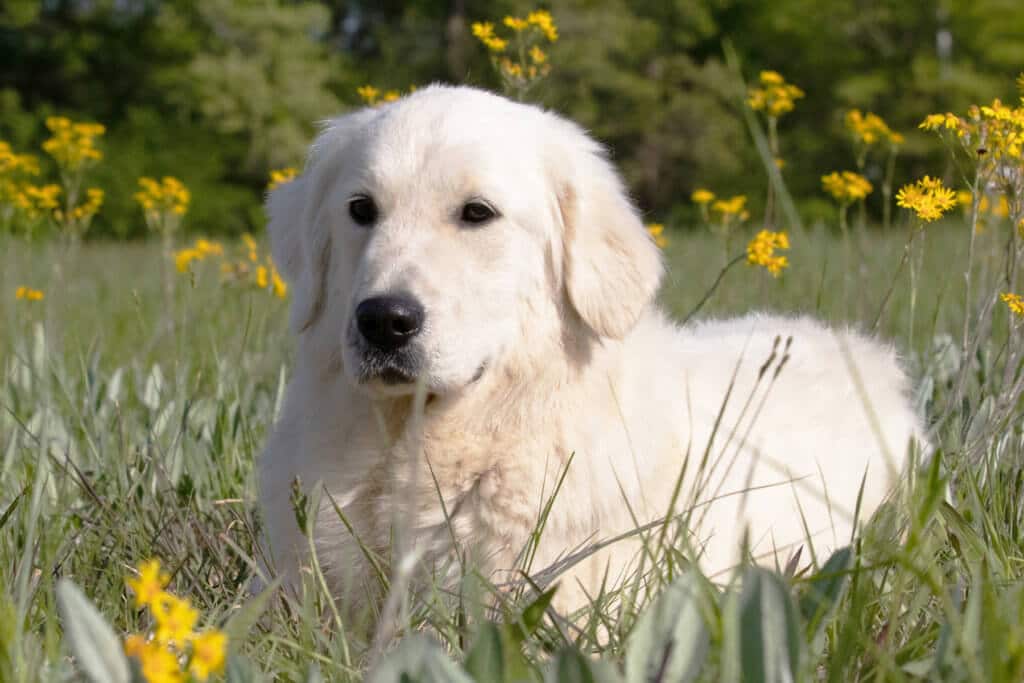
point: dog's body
(528, 328)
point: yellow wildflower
(511, 68)
(702, 196)
(870, 128)
(279, 285)
(72, 145)
(1014, 302)
(183, 258)
(168, 196)
(158, 664)
(208, 654)
(37, 201)
(537, 55)
(368, 93)
(28, 294)
(761, 251)
(656, 230)
(281, 176)
(390, 96)
(516, 24)
(734, 206)
(846, 187)
(150, 584)
(208, 248)
(542, 20)
(175, 618)
(927, 198)
(11, 163)
(775, 97)
(484, 32)
(262, 279)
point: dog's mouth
(390, 369)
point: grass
(129, 427)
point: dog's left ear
(612, 266)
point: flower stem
(714, 286)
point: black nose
(389, 322)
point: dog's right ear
(300, 235)
(290, 225)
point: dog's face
(429, 237)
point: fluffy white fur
(553, 301)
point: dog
(480, 356)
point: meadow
(129, 432)
(138, 382)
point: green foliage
(218, 93)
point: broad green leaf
(485, 660)
(97, 649)
(824, 592)
(496, 654)
(570, 666)
(670, 640)
(242, 621)
(239, 669)
(417, 659)
(761, 631)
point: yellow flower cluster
(734, 207)
(38, 200)
(24, 293)
(702, 196)
(16, 163)
(543, 21)
(373, 96)
(484, 32)
(761, 251)
(927, 198)
(993, 132)
(168, 195)
(870, 129)
(281, 176)
(175, 648)
(528, 62)
(183, 258)
(1014, 302)
(84, 211)
(73, 145)
(255, 270)
(846, 187)
(774, 96)
(657, 231)
(16, 192)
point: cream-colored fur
(541, 342)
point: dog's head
(429, 236)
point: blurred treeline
(218, 92)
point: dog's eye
(477, 212)
(363, 210)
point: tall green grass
(129, 429)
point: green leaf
(242, 621)
(496, 654)
(485, 660)
(240, 670)
(313, 675)
(570, 666)
(96, 648)
(824, 592)
(670, 640)
(533, 615)
(420, 660)
(762, 639)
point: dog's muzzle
(386, 325)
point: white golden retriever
(483, 256)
